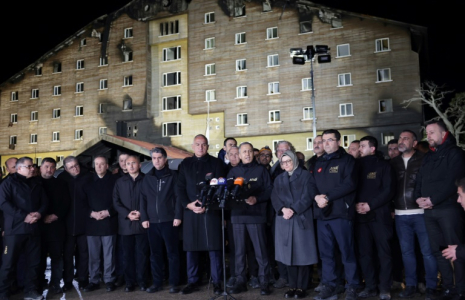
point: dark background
(30, 29)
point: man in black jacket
(23, 202)
(250, 217)
(101, 225)
(373, 221)
(202, 227)
(334, 209)
(161, 213)
(126, 200)
(53, 225)
(435, 192)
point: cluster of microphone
(220, 190)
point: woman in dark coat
(295, 236)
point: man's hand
(362, 208)
(146, 224)
(450, 252)
(50, 218)
(251, 200)
(134, 215)
(425, 203)
(104, 214)
(287, 213)
(196, 209)
(30, 219)
(95, 215)
(176, 222)
(321, 200)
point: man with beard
(317, 151)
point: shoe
(129, 288)
(154, 288)
(421, 287)
(119, 281)
(189, 288)
(367, 293)
(265, 289)
(300, 294)
(430, 294)
(326, 293)
(447, 295)
(174, 290)
(55, 290)
(142, 288)
(91, 287)
(217, 288)
(231, 282)
(110, 286)
(340, 289)
(33, 295)
(408, 292)
(280, 283)
(319, 287)
(396, 285)
(253, 283)
(82, 284)
(68, 286)
(238, 287)
(351, 294)
(290, 293)
(384, 295)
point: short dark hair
(461, 183)
(255, 149)
(122, 153)
(393, 141)
(49, 160)
(99, 156)
(336, 133)
(412, 133)
(227, 139)
(439, 122)
(160, 150)
(355, 141)
(22, 160)
(372, 141)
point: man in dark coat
(436, 193)
(76, 239)
(453, 252)
(23, 202)
(202, 227)
(373, 221)
(161, 213)
(126, 200)
(53, 223)
(102, 225)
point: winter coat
(295, 238)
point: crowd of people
(363, 222)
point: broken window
(127, 104)
(305, 26)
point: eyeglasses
(27, 167)
(285, 162)
(265, 155)
(329, 140)
(73, 167)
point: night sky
(30, 29)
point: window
(210, 17)
(274, 116)
(385, 106)
(386, 137)
(344, 79)
(60, 158)
(345, 110)
(168, 28)
(210, 95)
(273, 60)
(172, 129)
(240, 38)
(34, 93)
(309, 144)
(33, 138)
(172, 53)
(79, 87)
(103, 85)
(14, 118)
(83, 42)
(78, 134)
(79, 111)
(102, 130)
(210, 43)
(210, 69)
(103, 61)
(13, 139)
(241, 65)
(80, 64)
(242, 119)
(57, 90)
(34, 116)
(306, 84)
(172, 103)
(38, 71)
(273, 88)
(305, 27)
(239, 11)
(343, 50)
(308, 113)
(127, 56)
(127, 80)
(241, 92)
(14, 96)
(57, 67)
(336, 23)
(128, 33)
(55, 136)
(382, 45)
(102, 108)
(56, 113)
(272, 33)
(171, 78)
(384, 75)
(127, 104)
(347, 139)
(266, 6)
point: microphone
(221, 186)
(238, 182)
(211, 191)
(203, 187)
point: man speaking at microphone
(250, 216)
(202, 227)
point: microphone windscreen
(221, 181)
(214, 181)
(239, 181)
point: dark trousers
(55, 250)
(257, 235)
(159, 234)
(119, 256)
(373, 239)
(298, 277)
(76, 245)
(216, 266)
(444, 227)
(231, 246)
(135, 251)
(337, 233)
(12, 246)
